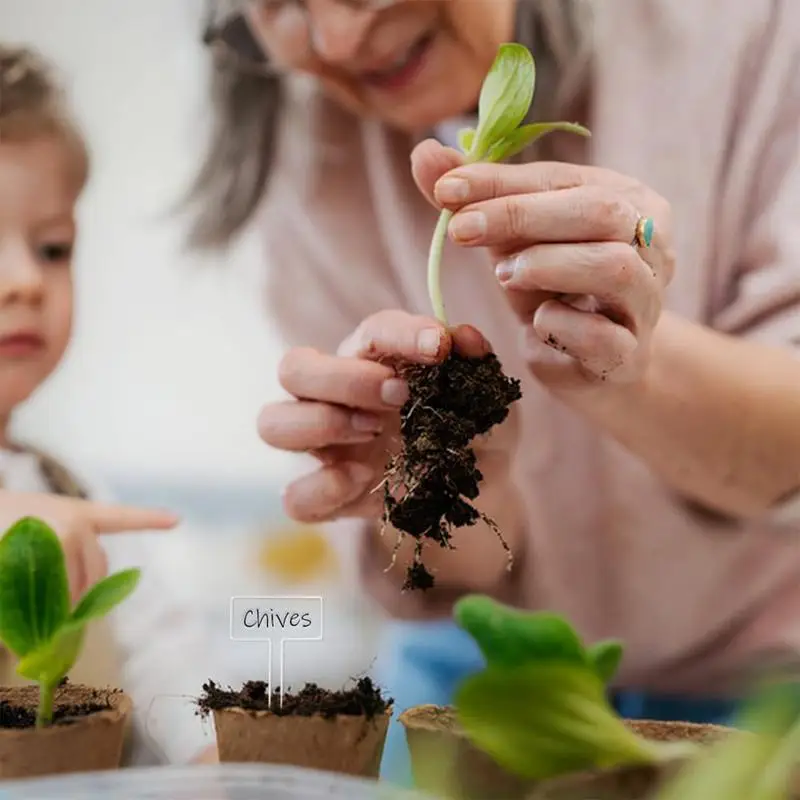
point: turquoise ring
(643, 235)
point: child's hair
(33, 104)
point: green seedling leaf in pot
(36, 623)
(757, 763)
(56, 657)
(509, 637)
(539, 721)
(505, 100)
(34, 588)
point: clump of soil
(363, 700)
(89, 701)
(429, 484)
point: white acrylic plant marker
(276, 620)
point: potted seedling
(758, 765)
(335, 731)
(538, 718)
(430, 485)
(52, 726)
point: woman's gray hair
(247, 100)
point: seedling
(540, 707)
(36, 622)
(755, 764)
(505, 100)
(431, 483)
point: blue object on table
(423, 662)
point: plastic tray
(208, 782)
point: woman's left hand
(562, 238)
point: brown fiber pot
(444, 762)
(351, 745)
(85, 744)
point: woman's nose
(21, 279)
(337, 29)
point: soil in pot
(337, 731)
(444, 762)
(430, 485)
(87, 734)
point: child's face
(38, 193)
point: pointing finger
(119, 519)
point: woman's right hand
(77, 523)
(345, 409)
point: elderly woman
(648, 481)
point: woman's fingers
(353, 382)
(302, 426)
(611, 272)
(322, 494)
(398, 336)
(470, 342)
(474, 183)
(598, 346)
(429, 162)
(582, 214)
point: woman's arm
(717, 417)
(717, 413)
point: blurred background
(173, 356)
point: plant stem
(44, 713)
(435, 266)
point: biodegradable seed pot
(342, 731)
(86, 735)
(444, 761)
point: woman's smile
(404, 70)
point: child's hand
(78, 523)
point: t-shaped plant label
(276, 620)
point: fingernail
(429, 342)
(468, 226)
(451, 190)
(505, 270)
(394, 392)
(366, 423)
(359, 474)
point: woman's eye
(55, 253)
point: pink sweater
(702, 101)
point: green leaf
(756, 764)
(606, 657)
(466, 137)
(53, 660)
(510, 637)
(106, 594)
(543, 720)
(506, 97)
(34, 586)
(522, 138)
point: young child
(151, 647)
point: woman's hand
(561, 238)
(77, 524)
(345, 410)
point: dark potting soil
(363, 700)
(88, 701)
(431, 481)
